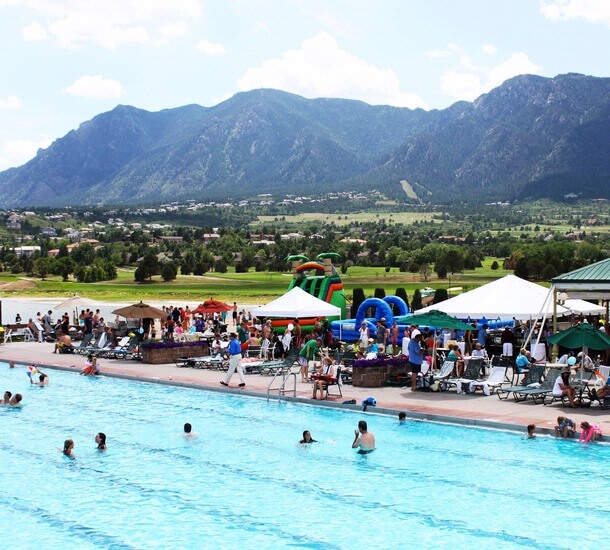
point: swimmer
(100, 439)
(363, 440)
(307, 438)
(531, 428)
(91, 366)
(43, 380)
(16, 400)
(188, 432)
(11, 365)
(68, 448)
(7, 398)
(402, 417)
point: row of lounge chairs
(125, 348)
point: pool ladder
(286, 376)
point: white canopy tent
(299, 304)
(510, 297)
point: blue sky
(65, 61)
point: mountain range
(531, 137)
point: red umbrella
(212, 306)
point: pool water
(245, 482)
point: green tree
(43, 266)
(440, 295)
(148, 266)
(495, 266)
(416, 301)
(358, 297)
(169, 271)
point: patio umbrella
(582, 336)
(437, 319)
(140, 311)
(212, 306)
(75, 302)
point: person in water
(307, 438)
(402, 417)
(100, 439)
(531, 431)
(16, 400)
(364, 440)
(43, 380)
(7, 398)
(188, 431)
(68, 448)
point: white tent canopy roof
(506, 298)
(299, 304)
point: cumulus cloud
(467, 80)
(17, 152)
(10, 102)
(442, 53)
(320, 68)
(211, 48)
(593, 11)
(34, 32)
(95, 87)
(73, 23)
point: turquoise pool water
(245, 482)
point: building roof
(597, 272)
(589, 282)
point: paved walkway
(449, 406)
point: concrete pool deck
(476, 409)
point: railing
(286, 375)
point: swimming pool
(245, 482)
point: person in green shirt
(242, 332)
(308, 353)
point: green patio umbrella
(437, 319)
(582, 335)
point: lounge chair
(493, 382)
(532, 376)
(471, 373)
(444, 374)
(539, 394)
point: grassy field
(252, 287)
(364, 217)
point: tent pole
(555, 351)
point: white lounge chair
(494, 381)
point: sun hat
(571, 361)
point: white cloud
(468, 81)
(34, 32)
(489, 49)
(442, 53)
(172, 30)
(516, 64)
(95, 87)
(17, 152)
(320, 68)
(10, 102)
(593, 11)
(211, 48)
(73, 23)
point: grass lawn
(251, 287)
(299, 219)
